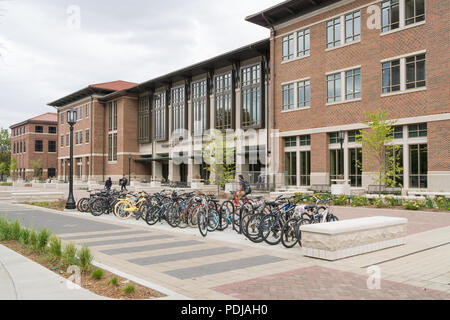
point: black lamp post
(129, 169)
(341, 162)
(71, 120)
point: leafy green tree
(37, 168)
(5, 152)
(13, 168)
(220, 159)
(377, 142)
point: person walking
(261, 180)
(244, 187)
(123, 183)
(108, 184)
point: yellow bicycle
(132, 204)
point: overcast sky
(44, 55)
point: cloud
(42, 59)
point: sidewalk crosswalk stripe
(104, 235)
(157, 246)
(127, 240)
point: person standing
(123, 183)
(108, 184)
(244, 187)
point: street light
(341, 162)
(71, 120)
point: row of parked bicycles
(260, 220)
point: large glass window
(334, 87)
(159, 111)
(414, 11)
(352, 26)
(353, 84)
(288, 47)
(290, 167)
(251, 96)
(144, 119)
(304, 94)
(336, 159)
(390, 15)
(52, 146)
(288, 96)
(391, 76)
(112, 131)
(178, 108)
(418, 166)
(305, 168)
(303, 43)
(333, 33)
(200, 103)
(415, 71)
(354, 160)
(224, 103)
(396, 156)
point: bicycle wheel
(202, 222)
(96, 206)
(173, 215)
(298, 232)
(332, 218)
(289, 233)
(122, 210)
(152, 215)
(252, 228)
(270, 229)
(213, 220)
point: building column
(320, 173)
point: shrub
(6, 184)
(378, 202)
(429, 202)
(34, 239)
(358, 201)
(5, 229)
(114, 281)
(43, 238)
(55, 248)
(442, 203)
(85, 257)
(341, 200)
(15, 230)
(413, 204)
(97, 274)
(130, 289)
(25, 236)
(393, 202)
(68, 255)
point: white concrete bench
(20, 197)
(342, 239)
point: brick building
(32, 140)
(331, 62)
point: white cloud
(42, 59)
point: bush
(5, 229)
(442, 203)
(25, 236)
(114, 281)
(97, 274)
(341, 200)
(85, 257)
(393, 202)
(34, 240)
(378, 202)
(429, 203)
(130, 289)
(358, 201)
(15, 230)
(68, 255)
(6, 184)
(413, 204)
(43, 238)
(55, 249)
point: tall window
(305, 168)
(290, 167)
(251, 96)
(352, 26)
(303, 43)
(67, 140)
(62, 117)
(390, 15)
(354, 160)
(62, 141)
(353, 84)
(415, 71)
(397, 156)
(200, 103)
(335, 165)
(418, 166)
(20, 147)
(414, 11)
(288, 96)
(38, 146)
(334, 87)
(288, 47)
(303, 94)
(52, 146)
(391, 76)
(112, 131)
(334, 33)
(88, 107)
(224, 114)
(24, 146)
(144, 119)
(160, 114)
(178, 108)
(87, 136)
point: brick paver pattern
(319, 283)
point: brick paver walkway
(320, 283)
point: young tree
(220, 159)
(377, 142)
(5, 152)
(37, 168)
(13, 168)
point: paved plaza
(225, 265)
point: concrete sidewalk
(24, 279)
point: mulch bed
(102, 287)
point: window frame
(255, 90)
(200, 106)
(224, 95)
